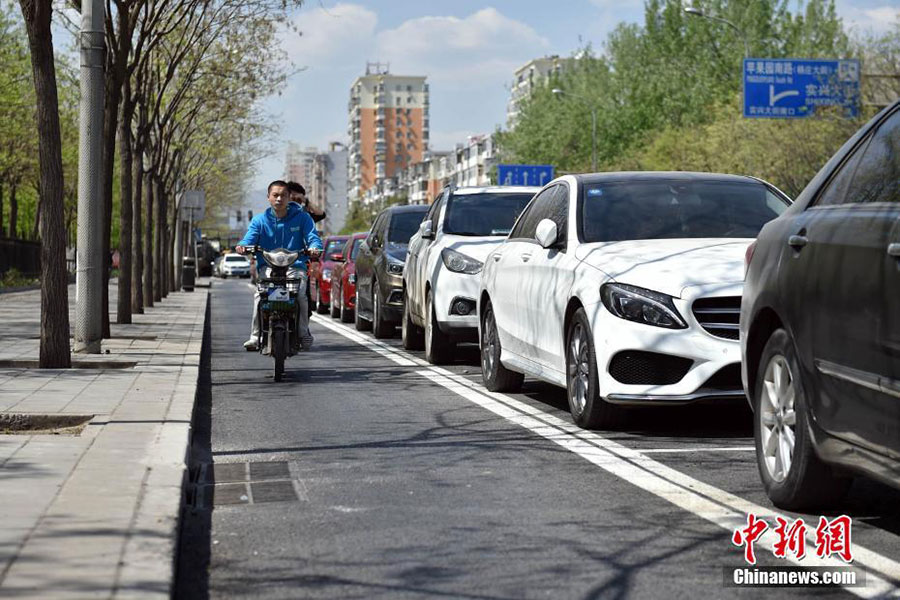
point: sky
(467, 49)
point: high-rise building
(388, 127)
(534, 73)
(324, 177)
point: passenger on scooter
(284, 225)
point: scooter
(279, 311)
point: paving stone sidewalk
(96, 514)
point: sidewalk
(96, 514)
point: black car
(820, 326)
(379, 269)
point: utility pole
(89, 292)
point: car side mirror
(337, 257)
(425, 228)
(545, 233)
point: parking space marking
(701, 499)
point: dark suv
(820, 326)
(379, 269)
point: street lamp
(587, 102)
(693, 10)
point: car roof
(626, 176)
(360, 234)
(497, 189)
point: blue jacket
(295, 231)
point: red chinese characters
(791, 538)
(747, 536)
(834, 538)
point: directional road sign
(524, 174)
(792, 88)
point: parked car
(320, 271)
(624, 288)
(379, 269)
(820, 327)
(234, 265)
(343, 280)
(443, 267)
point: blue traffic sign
(792, 89)
(524, 174)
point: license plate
(279, 295)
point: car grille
(719, 316)
(648, 368)
(726, 378)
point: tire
(381, 328)
(412, 335)
(337, 300)
(361, 324)
(495, 376)
(438, 347)
(781, 415)
(346, 312)
(321, 307)
(589, 410)
(279, 351)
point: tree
(54, 347)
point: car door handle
(526, 256)
(893, 250)
(797, 241)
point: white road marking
(699, 449)
(701, 499)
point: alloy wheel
(777, 418)
(579, 369)
(488, 345)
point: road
(372, 475)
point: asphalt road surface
(367, 473)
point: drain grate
(221, 484)
(36, 424)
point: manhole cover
(225, 472)
(228, 493)
(35, 424)
(273, 491)
(269, 470)
(221, 484)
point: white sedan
(624, 288)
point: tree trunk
(123, 306)
(148, 242)
(13, 212)
(37, 218)
(137, 289)
(1, 209)
(173, 252)
(158, 230)
(54, 351)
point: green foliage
(361, 216)
(667, 95)
(13, 278)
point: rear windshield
(239, 259)
(404, 225)
(642, 210)
(334, 246)
(483, 214)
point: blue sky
(468, 50)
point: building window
(249, 215)
(409, 135)
(238, 216)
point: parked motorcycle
(279, 311)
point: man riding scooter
(284, 225)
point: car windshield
(334, 247)
(404, 225)
(236, 259)
(643, 210)
(356, 244)
(483, 214)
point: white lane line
(699, 449)
(371, 344)
(701, 499)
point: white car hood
(669, 266)
(476, 247)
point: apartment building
(388, 128)
(534, 73)
(324, 176)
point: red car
(320, 271)
(343, 279)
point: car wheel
(346, 312)
(361, 324)
(381, 327)
(495, 376)
(335, 304)
(792, 474)
(321, 307)
(413, 336)
(588, 409)
(438, 347)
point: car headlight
(460, 263)
(395, 268)
(326, 274)
(641, 305)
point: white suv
(441, 275)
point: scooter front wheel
(279, 351)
